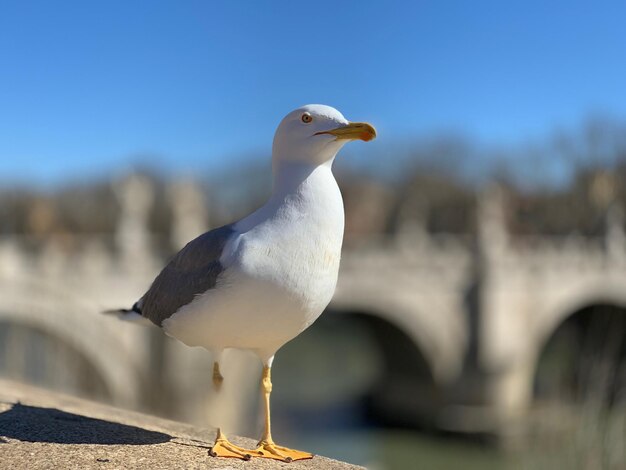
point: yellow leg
(223, 448)
(217, 376)
(266, 447)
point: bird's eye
(306, 118)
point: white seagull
(258, 283)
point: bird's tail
(132, 315)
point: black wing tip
(114, 311)
(135, 308)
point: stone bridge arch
(61, 314)
(405, 391)
(583, 299)
(577, 296)
(558, 298)
(433, 327)
(582, 358)
(370, 367)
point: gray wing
(192, 271)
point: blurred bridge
(476, 313)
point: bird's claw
(270, 450)
(224, 448)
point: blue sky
(89, 88)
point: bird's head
(314, 134)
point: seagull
(259, 282)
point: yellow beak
(354, 130)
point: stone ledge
(45, 430)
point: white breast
(297, 246)
(281, 272)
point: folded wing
(192, 271)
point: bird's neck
(301, 191)
(290, 176)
